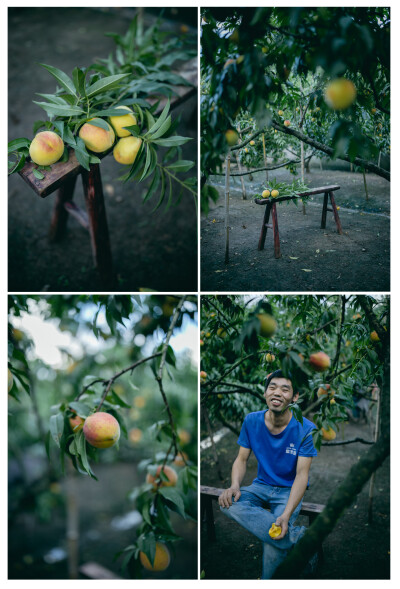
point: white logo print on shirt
(291, 450)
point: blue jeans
(251, 513)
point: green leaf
(153, 186)
(162, 130)
(81, 445)
(37, 174)
(59, 110)
(78, 77)
(170, 356)
(105, 84)
(147, 544)
(161, 120)
(17, 144)
(18, 165)
(62, 78)
(81, 409)
(173, 496)
(118, 399)
(172, 141)
(57, 427)
(99, 123)
(181, 166)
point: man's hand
(225, 499)
(283, 522)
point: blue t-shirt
(277, 454)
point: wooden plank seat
(208, 494)
(63, 175)
(271, 210)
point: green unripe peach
(96, 138)
(46, 148)
(101, 430)
(126, 149)
(119, 122)
(268, 324)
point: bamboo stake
(72, 523)
(372, 479)
(227, 172)
(265, 157)
(302, 172)
(365, 186)
(244, 196)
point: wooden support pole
(372, 479)
(59, 217)
(365, 186)
(98, 227)
(244, 195)
(227, 172)
(263, 233)
(302, 172)
(336, 214)
(277, 244)
(324, 209)
(265, 157)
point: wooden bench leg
(263, 233)
(335, 214)
(98, 228)
(207, 511)
(277, 244)
(60, 214)
(324, 209)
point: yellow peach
(96, 138)
(126, 120)
(126, 150)
(169, 472)
(46, 148)
(161, 560)
(101, 430)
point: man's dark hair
(277, 374)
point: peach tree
(85, 424)
(257, 60)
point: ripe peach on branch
(320, 361)
(168, 471)
(101, 430)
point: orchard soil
(313, 259)
(353, 550)
(156, 251)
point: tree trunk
(265, 158)
(227, 172)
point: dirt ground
(313, 259)
(150, 250)
(353, 550)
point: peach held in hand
(46, 148)
(96, 138)
(101, 430)
(125, 120)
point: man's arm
(296, 494)
(238, 472)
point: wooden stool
(270, 207)
(62, 177)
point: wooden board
(311, 192)
(60, 172)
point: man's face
(279, 395)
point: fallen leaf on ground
(306, 270)
(292, 258)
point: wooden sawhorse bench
(208, 494)
(270, 204)
(63, 175)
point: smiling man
(284, 450)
